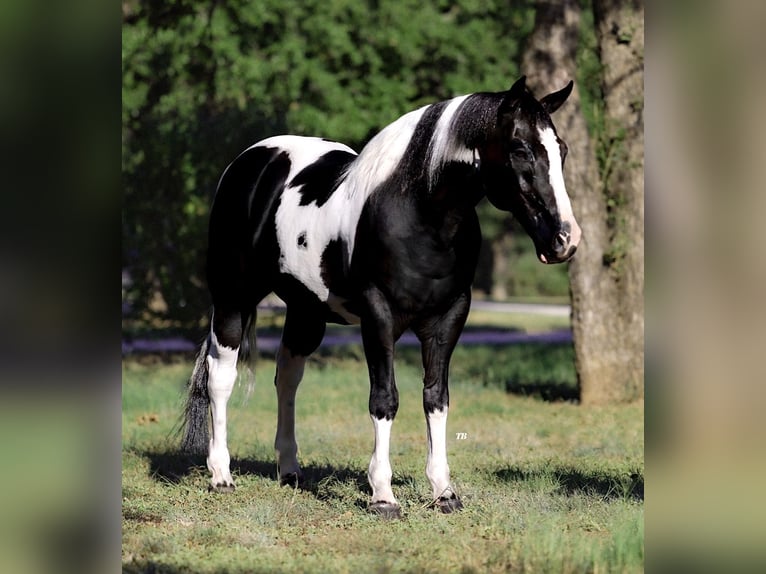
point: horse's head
(522, 165)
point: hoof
(449, 505)
(221, 487)
(293, 479)
(386, 510)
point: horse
(387, 239)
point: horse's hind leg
(226, 334)
(301, 336)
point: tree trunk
(610, 332)
(606, 275)
(500, 247)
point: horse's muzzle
(564, 244)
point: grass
(527, 322)
(547, 486)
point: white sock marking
(222, 373)
(379, 474)
(437, 469)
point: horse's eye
(520, 151)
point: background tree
(612, 363)
(605, 180)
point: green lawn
(547, 486)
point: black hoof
(221, 487)
(386, 510)
(449, 505)
(293, 479)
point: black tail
(195, 422)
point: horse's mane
(461, 122)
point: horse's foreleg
(379, 474)
(438, 339)
(222, 373)
(378, 337)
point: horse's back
(266, 167)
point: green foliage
(527, 276)
(589, 70)
(531, 369)
(202, 81)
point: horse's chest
(419, 264)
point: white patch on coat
(379, 473)
(445, 146)
(339, 216)
(381, 155)
(317, 225)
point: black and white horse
(387, 239)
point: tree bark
(611, 333)
(606, 274)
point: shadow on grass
(549, 392)
(173, 467)
(605, 485)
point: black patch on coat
(334, 265)
(265, 194)
(320, 179)
(302, 243)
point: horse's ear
(553, 101)
(513, 95)
(518, 87)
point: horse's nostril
(561, 241)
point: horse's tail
(195, 419)
(194, 423)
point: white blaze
(556, 173)
(556, 179)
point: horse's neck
(421, 149)
(457, 186)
